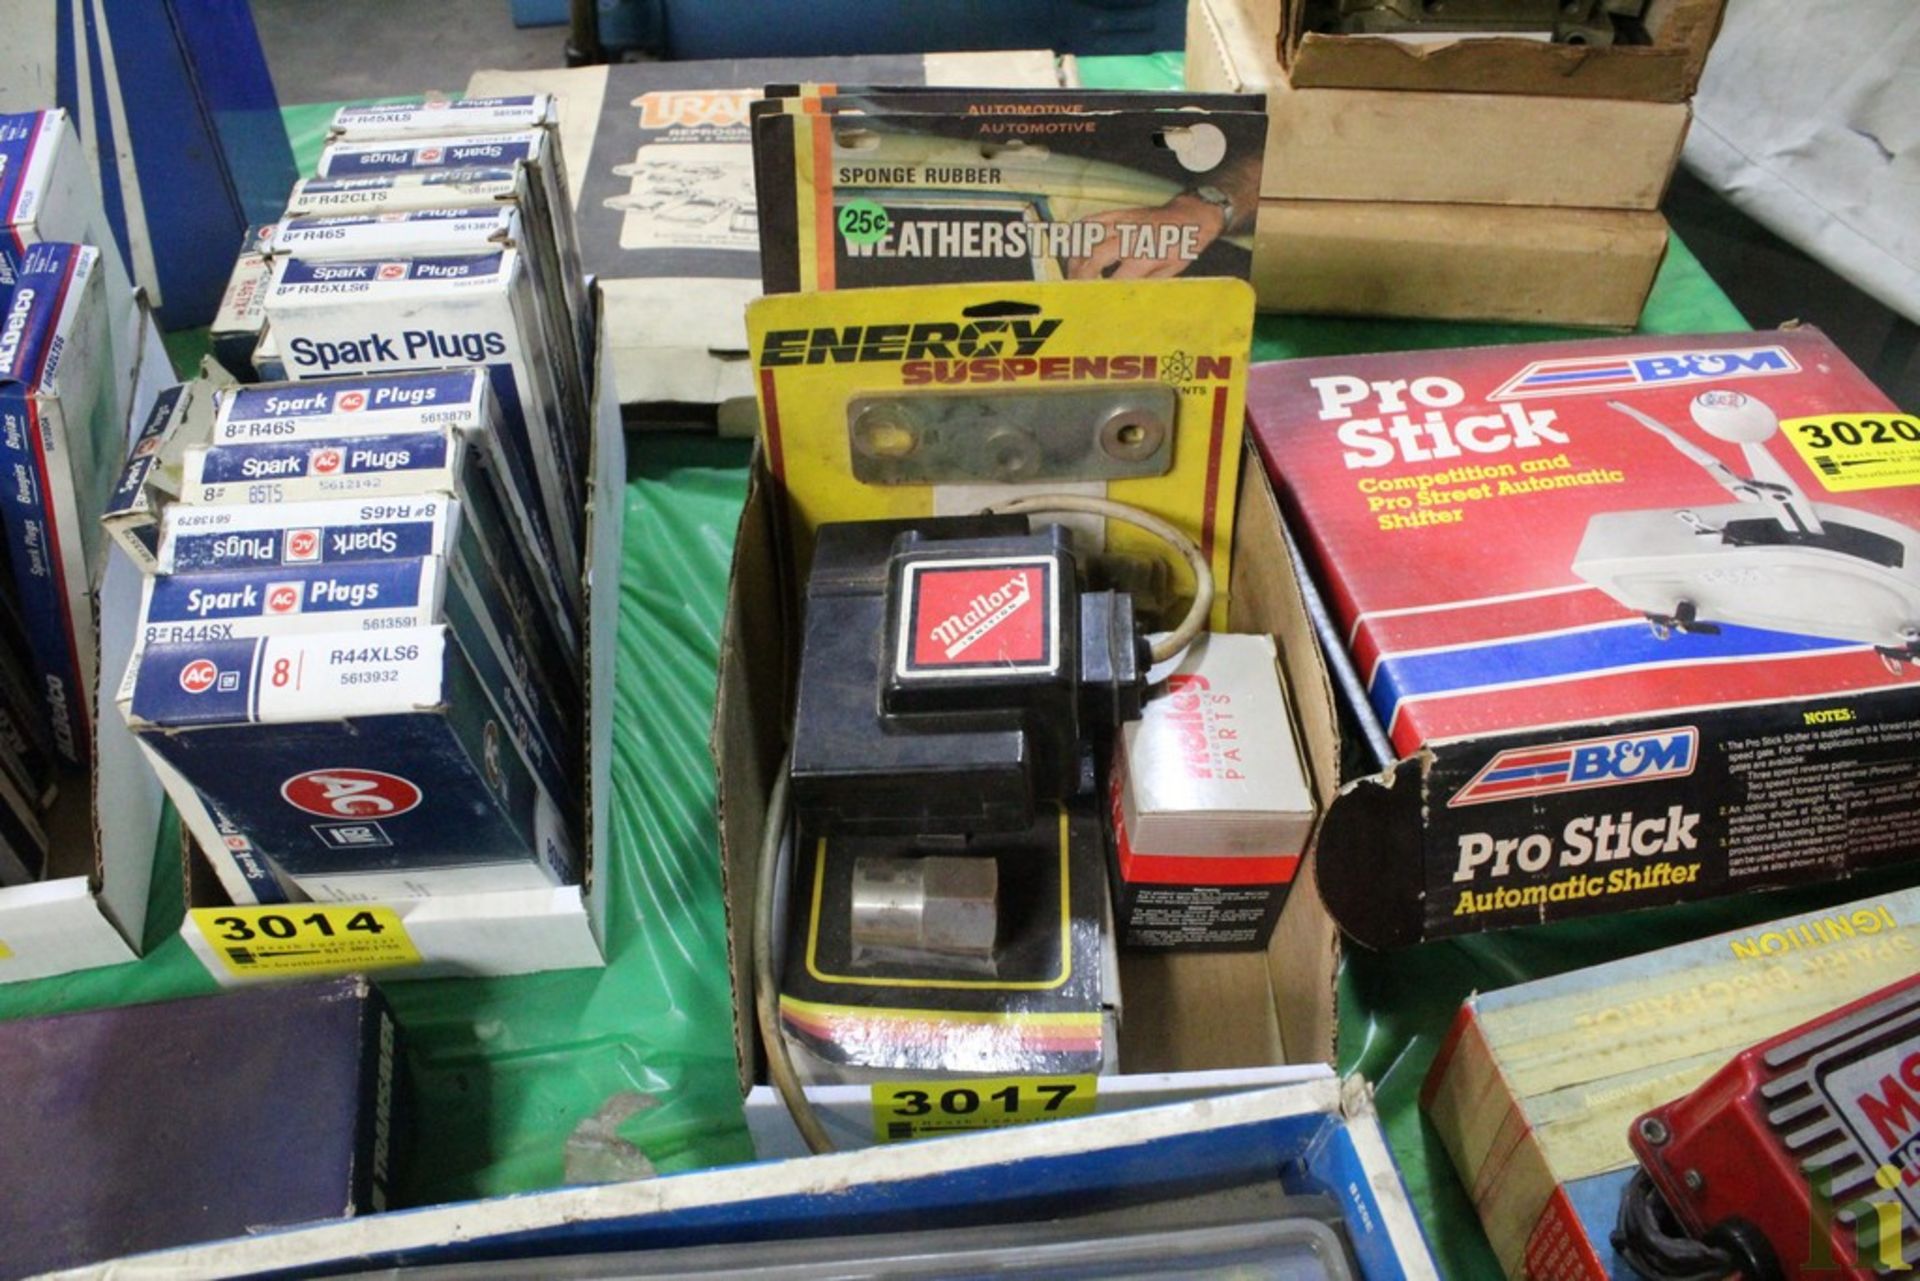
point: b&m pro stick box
(1634, 620)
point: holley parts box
(1638, 618)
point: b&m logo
(198, 676)
(1580, 375)
(1589, 763)
(351, 402)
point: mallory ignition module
(995, 674)
(958, 683)
(1801, 1158)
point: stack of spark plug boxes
(67, 318)
(361, 674)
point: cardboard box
(1592, 267)
(1623, 647)
(124, 1159)
(1536, 1086)
(90, 907)
(1186, 1014)
(1436, 148)
(1667, 69)
(1210, 804)
(512, 932)
(1320, 1133)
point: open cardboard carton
(90, 907)
(1391, 145)
(516, 932)
(1666, 69)
(1188, 1017)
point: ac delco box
(1630, 621)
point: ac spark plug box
(1629, 621)
(438, 799)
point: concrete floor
(334, 50)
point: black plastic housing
(953, 677)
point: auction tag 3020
(924, 1109)
(310, 939)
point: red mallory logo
(981, 614)
(961, 632)
(350, 793)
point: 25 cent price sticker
(1858, 451)
(923, 1109)
(311, 939)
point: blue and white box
(317, 533)
(225, 604)
(131, 515)
(398, 192)
(386, 404)
(454, 231)
(61, 441)
(49, 194)
(369, 767)
(287, 471)
(366, 316)
(446, 116)
(544, 196)
(382, 405)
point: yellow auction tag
(306, 938)
(923, 1109)
(1873, 450)
(5, 951)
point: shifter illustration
(1773, 559)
